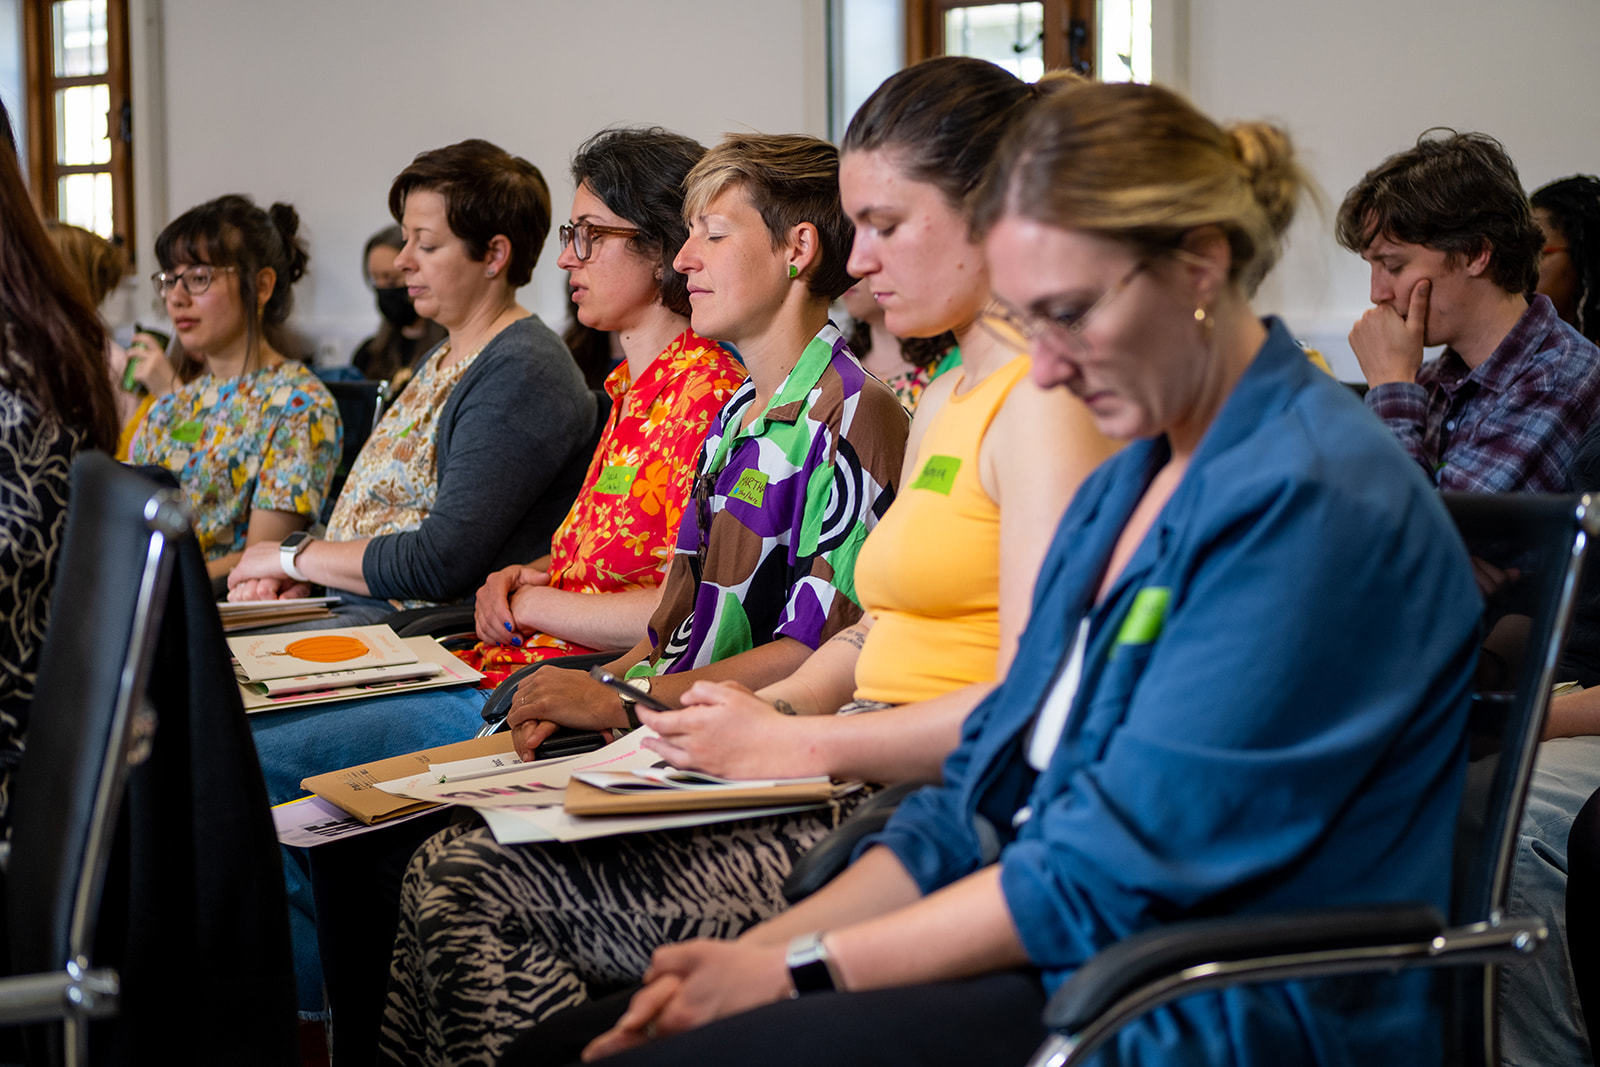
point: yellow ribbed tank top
(929, 572)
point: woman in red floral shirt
(617, 248)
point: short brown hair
(1139, 164)
(488, 192)
(790, 178)
(1457, 194)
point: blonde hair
(790, 179)
(1139, 164)
(94, 261)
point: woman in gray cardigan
(480, 458)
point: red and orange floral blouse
(620, 532)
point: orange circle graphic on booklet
(326, 649)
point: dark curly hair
(1574, 207)
(231, 231)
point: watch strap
(287, 554)
(808, 966)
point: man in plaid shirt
(1454, 253)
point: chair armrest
(1117, 972)
(73, 992)
(441, 621)
(824, 860)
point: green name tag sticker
(938, 474)
(1145, 618)
(188, 432)
(752, 488)
(615, 480)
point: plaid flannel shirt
(1512, 424)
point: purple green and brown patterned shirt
(1513, 423)
(778, 511)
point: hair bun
(1266, 154)
(286, 220)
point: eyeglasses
(1022, 330)
(1550, 250)
(582, 236)
(196, 280)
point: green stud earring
(794, 271)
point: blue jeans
(301, 742)
(1541, 1021)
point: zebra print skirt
(495, 938)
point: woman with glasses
(797, 467)
(991, 464)
(252, 435)
(599, 583)
(1242, 688)
(477, 462)
(992, 461)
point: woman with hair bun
(252, 435)
(1242, 688)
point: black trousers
(356, 885)
(992, 1020)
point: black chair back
(114, 570)
(1523, 548)
(360, 404)
(180, 891)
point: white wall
(322, 102)
(1357, 80)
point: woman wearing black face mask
(404, 336)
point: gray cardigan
(513, 442)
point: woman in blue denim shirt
(1242, 688)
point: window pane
(83, 131)
(1009, 35)
(1124, 41)
(78, 37)
(85, 200)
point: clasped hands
(259, 576)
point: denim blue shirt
(1270, 717)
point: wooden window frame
(1069, 31)
(43, 170)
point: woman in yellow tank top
(947, 576)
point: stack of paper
(256, 614)
(281, 670)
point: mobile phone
(605, 677)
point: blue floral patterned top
(267, 439)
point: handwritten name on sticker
(615, 480)
(752, 488)
(938, 474)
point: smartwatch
(629, 705)
(809, 970)
(289, 550)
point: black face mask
(395, 305)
